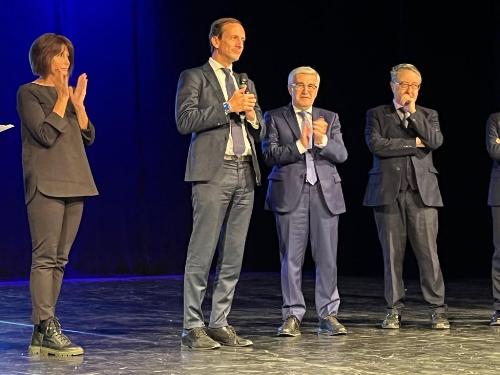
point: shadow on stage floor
(133, 325)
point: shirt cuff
(301, 148)
(324, 141)
(254, 124)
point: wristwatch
(227, 108)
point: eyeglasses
(301, 86)
(406, 85)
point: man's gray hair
(301, 70)
(395, 70)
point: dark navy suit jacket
(492, 133)
(390, 144)
(287, 177)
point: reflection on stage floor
(133, 325)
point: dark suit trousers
(409, 218)
(495, 264)
(53, 224)
(311, 219)
(222, 208)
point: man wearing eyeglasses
(403, 191)
(303, 144)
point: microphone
(243, 84)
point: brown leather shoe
(331, 326)
(290, 327)
(227, 336)
(197, 339)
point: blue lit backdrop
(133, 52)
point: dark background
(133, 52)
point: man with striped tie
(404, 193)
(303, 144)
(224, 121)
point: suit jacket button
(398, 168)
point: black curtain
(133, 52)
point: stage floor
(133, 325)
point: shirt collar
(396, 104)
(217, 65)
(307, 110)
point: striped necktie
(311, 176)
(236, 130)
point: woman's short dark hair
(44, 48)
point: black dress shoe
(439, 320)
(392, 321)
(331, 326)
(197, 339)
(290, 327)
(495, 319)
(227, 336)
(48, 339)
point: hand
(241, 102)
(250, 115)
(305, 135)
(60, 80)
(320, 126)
(497, 140)
(408, 103)
(419, 143)
(77, 94)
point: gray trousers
(311, 219)
(408, 218)
(222, 208)
(53, 225)
(495, 264)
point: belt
(242, 158)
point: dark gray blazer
(390, 144)
(54, 158)
(287, 177)
(199, 112)
(492, 133)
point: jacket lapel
(212, 79)
(315, 114)
(292, 122)
(390, 111)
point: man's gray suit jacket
(199, 112)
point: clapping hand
(60, 80)
(320, 127)
(305, 135)
(78, 93)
